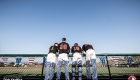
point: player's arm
(80, 49)
(50, 48)
(83, 48)
(58, 48)
(68, 48)
(92, 47)
(72, 51)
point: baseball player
(77, 60)
(51, 61)
(64, 50)
(90, 56)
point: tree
(11, 64)
(1, 64)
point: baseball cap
(76, 44)
(63, 39)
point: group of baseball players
(63, 49)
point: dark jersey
(76, 49)
(53, 49)
(86, 47)
(64, 47)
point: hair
(55, 43)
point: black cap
(76, 44)
(55, 43)
(63, 39)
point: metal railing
(108, 64)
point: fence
(108, 65)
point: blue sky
(32, 26)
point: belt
(61, 53)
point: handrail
(23, 55)
(70, 55)
(118, 54)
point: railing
(108, 64)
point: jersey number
(63, 46)
(76, 48)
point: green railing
(110, 68)
(70, 55)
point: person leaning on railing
(51, 60)
(90, 56)
(64, 50)
(77, 60)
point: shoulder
(84, 44)
(90, 44)
(51, 47)
(79, 46)
(60, 43)
(67, 43)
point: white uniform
(51, 57)
(63, 56)
(77, 56)
(90, 54)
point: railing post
(108, 68)
(42, 68)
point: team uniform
(90, 56)
(63, 58)
(77, 60)
(51, 61)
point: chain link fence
(107, 65)
(124, 65)
(28, 66)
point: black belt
(61, 53)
